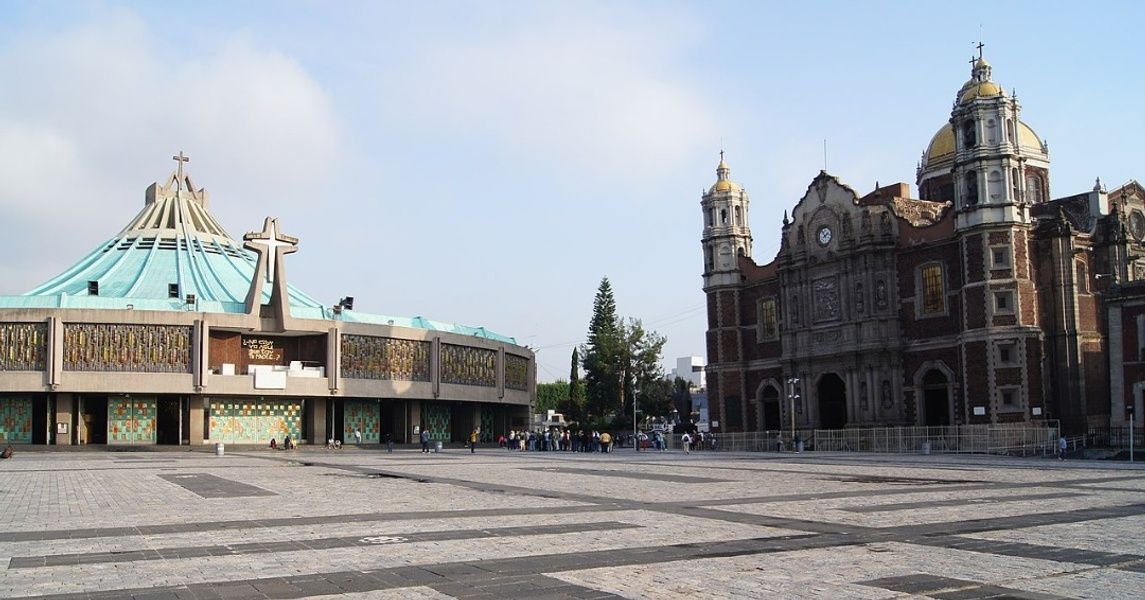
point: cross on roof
(179, 171)
(267, 242)
(979, 46)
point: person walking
(1062, 445)
(473, 442)
(390, 443)
(358, 437)
(686, 442)
(424, 441)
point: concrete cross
(267, 242)
(179, 172)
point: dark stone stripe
(631, 475)
(370, 539)
(952, 589)
(213, 486)
(961, 502)
(525, 586)
(1037, 551)
(102, 532)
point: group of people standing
(558, 440)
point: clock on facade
(1137, 224)
(824, 235)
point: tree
(551, 396)
(641, 366)
(573, 407)
(682, 398)
(656, 398)
(602, 355)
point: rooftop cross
(179, 172)
(980, 46)
(267, 242)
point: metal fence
(1116, 437)
(982, 439)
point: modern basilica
(982, 302)
(173, 332)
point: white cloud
(93, 113)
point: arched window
(712, 217)
(971, 188)
(933, 294)
(994, 185)
(1034, 188)
(739, 251)
(739, 217)
(991, 132)
(968, 137)
(768, 322)
(1016, 182)
(1082, 278)
(723, 216)
(1010, 131)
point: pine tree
(603, 354)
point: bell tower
(726, 234)
(1000, 166)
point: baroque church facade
(982, 302)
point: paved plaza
(363, 523)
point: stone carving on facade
(919, 213)
(885, 222)
(828, 338)
(859, 298)
(821, 187)
(826, 299)
(880, 294)
(847, 226)
(799, 231)
(866, 223)
(863, 395)
(795, 308)
(887, 403)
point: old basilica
(982, 302)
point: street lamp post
(791, 395)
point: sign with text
(262, 350)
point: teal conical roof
(172, 250)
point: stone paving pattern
(363, 523)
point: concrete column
(65, 408)
(318, 424)
(196, 406)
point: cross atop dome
(179, 171)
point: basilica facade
(982, 302)
(173, 332)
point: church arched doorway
(935, 399)
(770, 402)
(832, 402)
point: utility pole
(791, 396)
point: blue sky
(487, 163)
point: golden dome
(981, 63)
(941, 145)
(725, 186)
(723, 183)
(1029, 140)
(984, 89)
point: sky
(489, 162)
